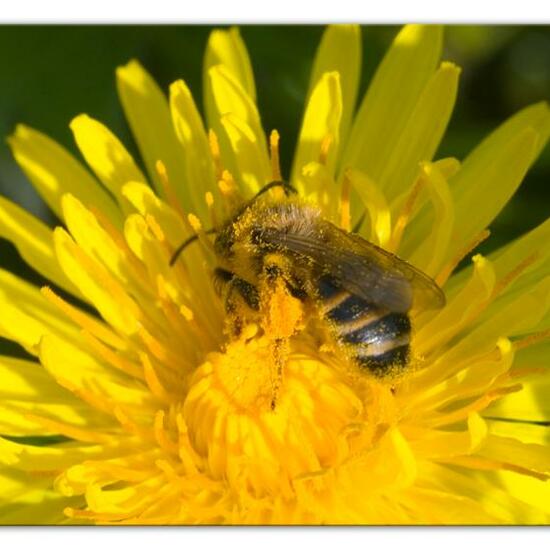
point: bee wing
(360, 267)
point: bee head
(242, 228)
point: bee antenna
(279, 183)
(184, 245)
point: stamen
(475, 406)
(196, 226)
(194, 222)
(167, 187)
(158, 350)
(155, 227)
(215, 152)
(227, 183)
(187, 313)
(345, 213)
(187, 454)
(153, 381)
(160, 434)
(324, 150)
(405, 214)
(274, 153)
(119, 240)
(531, 340)
(129, 425)
(445, 273)
(109, 283)
(112, 358)
(73, 432)
(477, 462)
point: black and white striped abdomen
(378, 339)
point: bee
(362, 293)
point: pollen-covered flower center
(321, 419)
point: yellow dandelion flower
(159, 410)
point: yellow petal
(28, 388)
(93, 280)
(535, 116)
(29, 500)
(422, 133)
(227, 48)
(34, 241)
(490, 175)
(340, 51)
(105, 155)
(529, 404)
(144, 200)
(534, 492)
(533, 244)
(430, 507)
(53, 172)
(375, 203)
(252, 169)
(481, 488)
(527, 432)
(97, 243)
(224, 95)
(44, 458)
(26, 315)
(102, 387)
(512, 451)
(460, 307)
(197, 158)
(148, 114)
(320, 129)
(392, 97)
(429, 256)
(518, 316)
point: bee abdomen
(378, 339)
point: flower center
(322, 418)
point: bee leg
(281, 313)
(234, 291)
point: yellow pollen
(274, 153)
(194, 222)
(445, 273)
(281, 312)
(215, 152)
(187, 313)
(209, 198)
(243, 374)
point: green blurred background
(49, 74)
